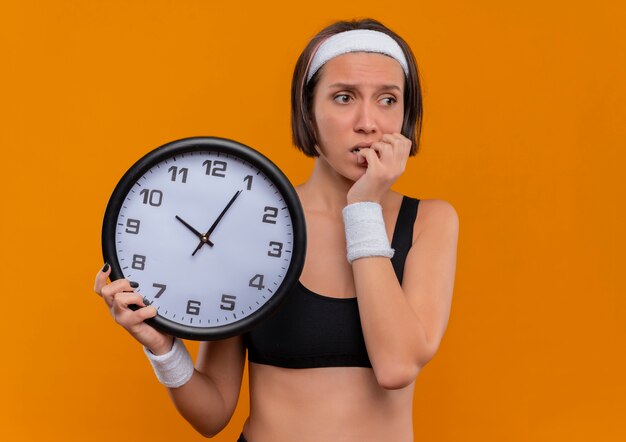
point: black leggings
(241, 438)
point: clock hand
(219, 218)
(202, 237)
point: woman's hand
(118, 295)
(386, 160)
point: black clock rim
(265, 165)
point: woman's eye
(343, 98)
(389, 100)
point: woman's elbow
(209, 433)
(397, 376)
(206, 430)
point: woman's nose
(365, 119)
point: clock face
(211, 231)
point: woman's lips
(360, 146)
(360, 160)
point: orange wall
(524, 133)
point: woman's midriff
(326, 404)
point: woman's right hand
(118, 295)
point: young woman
(345, 369)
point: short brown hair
(302, 130)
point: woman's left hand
(386, 160)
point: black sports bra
(310, 330)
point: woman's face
(358, 99)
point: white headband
(358, 40)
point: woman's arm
(403, 325)
(208, 399)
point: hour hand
(200, 236)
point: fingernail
(134, 284)
(106, 267)
(146, 301)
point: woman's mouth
(360, 160)
(358, 148)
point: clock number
(183, 172)
(215, 168)
(139, 262)
(228, 302)
(193, 307)
(132, 226)
(277, 249)
(270, 214)
(161, 288)
(257, 282)
(248, 178)
(152, 197)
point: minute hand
(217, 221)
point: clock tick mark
(124, 268)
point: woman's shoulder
(436, 214)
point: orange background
(524, 133)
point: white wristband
(365, 231)
(174, 368)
